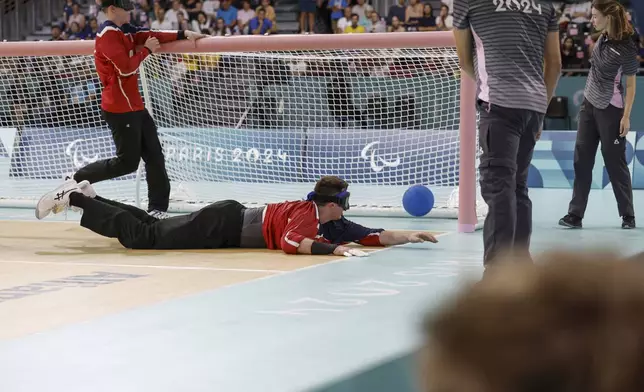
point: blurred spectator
(228, 13)
(139, 16)
(307, 15)
(569, 58)
(427, 22)
(344, 22)
(92, 31)
(376, 24)
(244, 16)
(397, 10)
(270, 13)
(396, 26)
(56, 33)
(363, 10)
(77, 17)
(74, 32)
(172, 14)
(444, 21)
(414, 11)
(99, 14)
(201, 23)
(260, 24)
(182, 22)
(337, 7)
(355, 26)
(68, 9)
(193, 7)
(578, 13)
(450, 5)
(210, 7)
(640, 55)
(161, 23)
(220, 28)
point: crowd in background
(234, 17)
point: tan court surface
(58, 273)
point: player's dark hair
(570, 324)
(618, 25)
(330, 186)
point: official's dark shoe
(628, 222)
(570, 221)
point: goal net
(255, 126)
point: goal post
(257, 119)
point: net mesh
(255, 127)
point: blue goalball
(418, 200)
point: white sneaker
(159, 214)
(88, 190)
(57, 200)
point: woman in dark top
(605, 113)
(569, 59)
(428, 21)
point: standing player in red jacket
(133, 130)
(313, 226)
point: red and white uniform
(117, 63)
(287, 224)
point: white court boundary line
(169, 267)
(190, 268)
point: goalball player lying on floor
(313, 226)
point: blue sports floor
(79, 313)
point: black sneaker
(570, 221)
(628, 222)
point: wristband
(149, 51)
(181, 34)
(322, 248)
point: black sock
(77, 199)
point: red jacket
(287, 224)
(117, 63)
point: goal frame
(467, 214)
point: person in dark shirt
(397, 10)
(605, 114)
(428, 21)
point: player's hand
(421, 236)
(153, 44)
(624, 126)
(349, 252)
(194, 36)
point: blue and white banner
(388, 157)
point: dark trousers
(603, 125)
(215, 226)
(507, 138)
(135, 137)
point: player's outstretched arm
(142, 34)
(111, 46)
(399, 237)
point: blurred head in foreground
(572, 323)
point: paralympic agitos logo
(378, 164)
(75, 151)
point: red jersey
(287, 224)
(117, 63)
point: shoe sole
(628, 227)
(568, 225)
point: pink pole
(467, 219)
(249, 43)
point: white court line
(170, 267)
(337, 260)
(274, 272)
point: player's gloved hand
(421, 236)
(152, 43)
(193, 36)
(349, 252)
